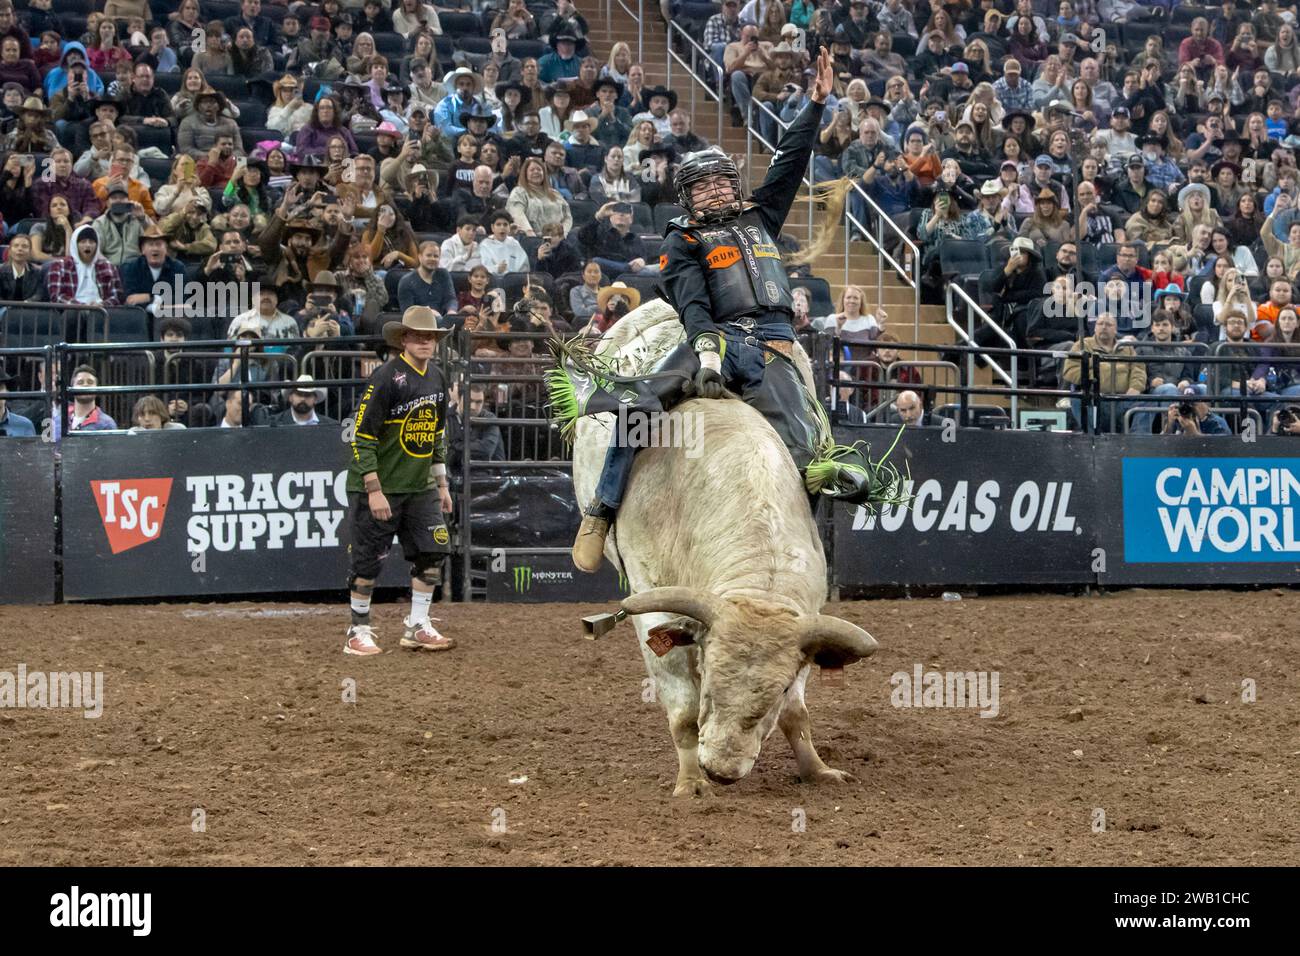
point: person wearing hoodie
(73, 63)
(86, 277)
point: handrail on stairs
(967, 336)
(692, 70)
(639, 14)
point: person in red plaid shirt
(85, 277)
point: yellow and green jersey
(401, 428)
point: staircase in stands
(896, 296)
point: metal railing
(692, 70)
(638, 14)
(967, 335)
(910, 276)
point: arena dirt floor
(1129, 703)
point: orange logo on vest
(722, 257)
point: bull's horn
(833, 642)
(692, 602)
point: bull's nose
(717, 777)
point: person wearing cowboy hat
(265, 314)
(612, 303)
(32, 134)
(199, 131)
(465, 86)
(12, 425)
(399, 454)
(301, 256)
(188, 233)
(582, 151)
(153, 267)
(393, 112)
(612, 123)
(300, 405)
(562, 62)
(659, 103)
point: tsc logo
(132, 510)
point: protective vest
(741, 264)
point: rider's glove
(708, 380)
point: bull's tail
(833, 194)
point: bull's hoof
(693, 787)
(829, 775)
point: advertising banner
(208, 511)
(989, 508)
(1202, 510)
(26, 521)
(539, 578)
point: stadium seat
(583, 210)
(234, 87)
(128, 324)
(474, 46)
(648, 286)
(159, 170)
(251, 113)
(664, 212)
(251, 136)
(981, 416)
(643, 218)
(391, 278)
(461, 25)
(963, 261)
(522, 49)
(169, 83)
(819, 294)
(1204, 316)
(391, 45)
(157, 137)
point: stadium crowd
(500, 165)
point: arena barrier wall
(176, 513)
(1044, 508)
(27, 552)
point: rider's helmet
(703, 166)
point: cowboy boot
(589, 545)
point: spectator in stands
(481, 199)
(447, 115)
(1047, 223)
(612, 183)
(140, 274)
(460, 251)
(1200, 49)
(84, 276)
(390, 240)
(1192, 416)
(562, 62)
(301, 402)
(15, 69)
(609, 240)
(121, 225)
(73, 67)
(1059, 317)
(412, 16)
(743, 61)
(301, 256)
(50, 238)
(189, 236)
(557, 254)
(533, 203)
(1150, 225)
(16, 197)
(12, 425)
(84, 413)
(1171, 369)
(362, 290)
(582, 297)
(1116, 377)
(476, 290)
(485, 441)
(908, 410)
(200, 131)
(943, 220)
(288, 113)
(146, 103)
(501, 252)
(429, 284)
(32, 134)
(150, 414)
(20, 281)
(324, 124)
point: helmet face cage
(701, 166)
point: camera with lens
(1287, 417)
(1186, 410)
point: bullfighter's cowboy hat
(418, 318)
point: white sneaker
(425, 637)
(361, 641)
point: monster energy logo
(524, 576)
(622, 583)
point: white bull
(722, 554)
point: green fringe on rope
(563, 401)
(885, 482)
(573, 356)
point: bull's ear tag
(660, 643)
(832, 676)
(664, 637)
